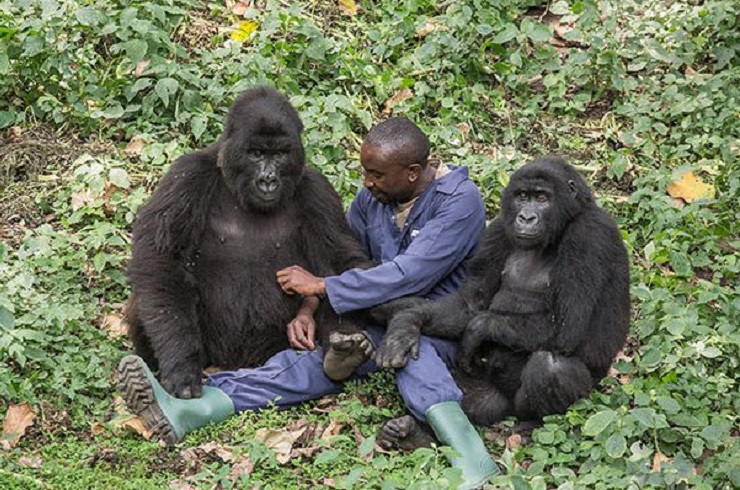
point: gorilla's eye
(255, 153)
(520, 194)
(542, 197)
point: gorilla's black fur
(208, 244)
(545, 307)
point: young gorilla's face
(388, 179)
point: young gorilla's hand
(478, 331)
(302, 332)
(400, 342)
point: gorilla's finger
(415, 351)
(197, 390)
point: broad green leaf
(645, 416)
(7, 322)
(4, 63)
(6, 118)
(668, 404)
(165, 88)
(367, 446)
(598, 422)
(616, 445)
(113, 112)
(198, 126)
(89, 16)
(715, 433)
(119, 178)
(328, 456)
(136, 49)
(509, 33)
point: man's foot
(404, 433)
(137, 389)
(345, 353)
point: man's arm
(439, 248)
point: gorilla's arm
(586, 265)
(165, 236)
(448, 316)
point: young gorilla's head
(541, 199)
(393, 155)
(261, 155)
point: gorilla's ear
(573, 189)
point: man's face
(388, 179)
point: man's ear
(414, 172)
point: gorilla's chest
(525, 281)
(254, 242)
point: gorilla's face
(261, 177)
(539, 203)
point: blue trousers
(291, 377)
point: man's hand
(297, 280)
(302, 332)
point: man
(419, 223)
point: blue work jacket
(423, 258)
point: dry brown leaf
(132, 422)
(141, 67)
(114, 326)
(658, 459)
(279, 441)
(333, 429)
(242, 466)
(429, 27)
(464, 129)
(691, 188)
(135, 147)
(81, 199)
(224, 453)
(348, 7)
(34, 462)
(181, 485)
(240, 8)
(97, 428)
(17, 420)
(398, 97)
(329, 482)
(513, 441)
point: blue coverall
(424, 258)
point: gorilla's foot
(167, 417)
(345, 353)
(137, 390)
(404, 433)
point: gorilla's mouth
(526, 235)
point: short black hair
(403, 137)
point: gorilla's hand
(400, 341)
(478, 331)
(183, 382)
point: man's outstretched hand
(297, 280)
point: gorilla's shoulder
(196, 164)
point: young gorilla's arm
(448, 316)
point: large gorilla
(544, 309)
(207, 245)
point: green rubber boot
(453, 428)
(168, 417)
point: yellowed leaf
(348, 7)
(691, 188)
(397, 98)
(17, 420)
(244, 30)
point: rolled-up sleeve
(440, 246)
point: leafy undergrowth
(97, 99)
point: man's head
(394, 158)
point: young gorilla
(544, 309)
(209, 241)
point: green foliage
(634, 93)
